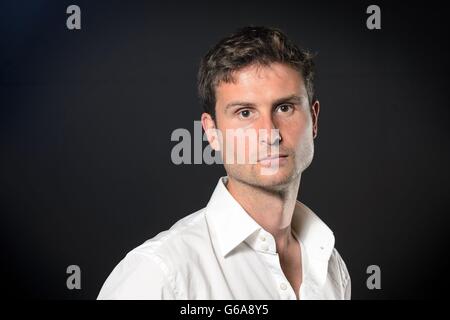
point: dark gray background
(86, 118)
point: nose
(269, 132)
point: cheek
(235, 134)
(296, 129)
(239, 144)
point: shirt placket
(266, 248)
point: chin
(275, 179)
(278, 177)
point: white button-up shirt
(221, 252)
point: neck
(272, 210)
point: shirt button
(283, 286)
(262, 237)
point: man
(254, 239)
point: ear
(315, 117)
(212, 133)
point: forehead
(258, 82)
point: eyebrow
(293, 98)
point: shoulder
(187, 236)
(147, 271)
(136, 277)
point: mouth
(273, 157)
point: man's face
(261, 99)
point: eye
(244, 113)
(284, 108)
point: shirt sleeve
(137, 277)
(348, 289)
(346, 281)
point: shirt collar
(233, 225)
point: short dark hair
(247, 46)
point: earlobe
(315, 113)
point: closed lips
(273, 157)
